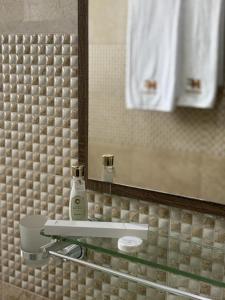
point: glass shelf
(188, 258)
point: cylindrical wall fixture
(32, 240)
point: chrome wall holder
(60, 247)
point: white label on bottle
(78, 209)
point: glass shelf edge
(135, 259)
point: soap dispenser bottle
(108, 170)
(78, 200)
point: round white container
(130, 244)
(30, 227)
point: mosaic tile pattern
(10, 292)
(194, 227)
(38, 144)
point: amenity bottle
(78, 200)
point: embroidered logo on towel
(194, 85)
(150, 86)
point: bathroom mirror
(176, 158)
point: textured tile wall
(189, 233)
(10, 292)
(38, 144)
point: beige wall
(181, 152)
(38, 16)
(107, 22)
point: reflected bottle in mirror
(108, 170)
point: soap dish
(130, 244)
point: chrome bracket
(66, 249)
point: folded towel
(202, 30)
(152, 54)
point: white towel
(152, 54)
(202, 36)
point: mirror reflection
(156, 104)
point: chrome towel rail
(141, 281)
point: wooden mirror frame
(117, 189)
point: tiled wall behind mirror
(180, 152)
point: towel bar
(74, 253)
(141, 281)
